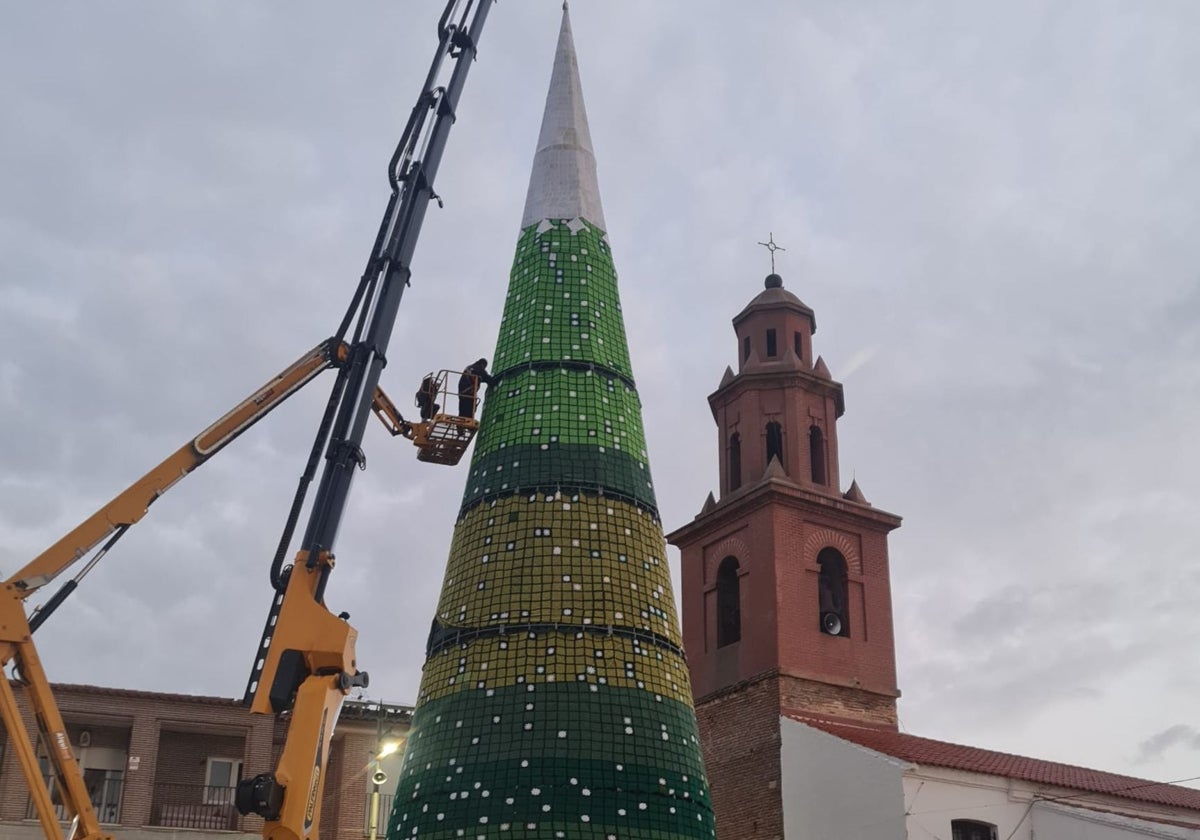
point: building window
(729, 603)
(972, 830)
(833, 593)
(816, 455)
(799, 345)
(745, 348)
(220, 778)
(772, 350)
(104, 789)
(774, 442)
(735, 461)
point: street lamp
(379, 777)
(390, 748)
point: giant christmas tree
(555, 700)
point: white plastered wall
(835, 790)
(1054, 821)
(934, 797)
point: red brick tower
(786, 595)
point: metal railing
(193, 806)
(106, 800)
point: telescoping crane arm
(306, 662)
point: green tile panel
(570, 469)
(545, 407)
(548, 656)
(562, 301)
(578, 429)
(548, 558)
(590, 760)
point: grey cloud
(1178, 735)
(1001, 203)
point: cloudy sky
(992, 207)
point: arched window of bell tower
(833, 596)
(774, 441)
(735, 461)
(729, 603)
(816, 448)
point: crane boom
(306, 662)
(110, 522)
(128, 507)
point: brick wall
(806, 697)
(183, 756)
(116, 737)
(739, 732)
(331, 803)
(14, 794)
(347, 785)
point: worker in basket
(427, 393)
(468, 387)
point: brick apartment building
(156, 762)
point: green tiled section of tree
(562, 301)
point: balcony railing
(193, 806)
(105, 796)
(385, 812)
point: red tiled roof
(976, 760)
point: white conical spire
(563, 183)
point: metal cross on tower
(772, 247)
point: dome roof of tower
(775, 296)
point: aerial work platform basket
(440, 437)
(444, 438)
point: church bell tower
(786, 590)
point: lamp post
(379, 777)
